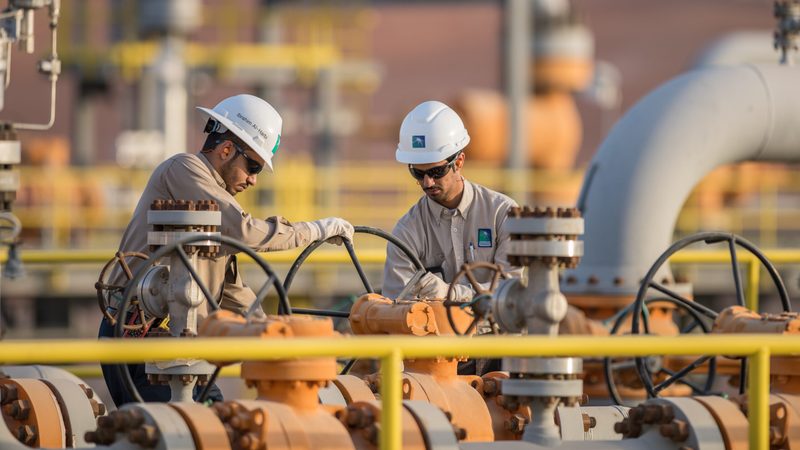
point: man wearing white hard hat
(456, 221)
(244, 133)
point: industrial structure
(599, 345)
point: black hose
(348, 366)
(321, 312)
(207, 388)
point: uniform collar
(214, 173)
(439, 212)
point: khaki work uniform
(444, 239)
(191, 177)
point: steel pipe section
(654, 156)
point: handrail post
(391, 437)
(753, 279)
(758, 399)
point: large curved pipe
(656, 154)
(740, 47)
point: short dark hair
(213, 139)
(453, 157)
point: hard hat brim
(430, 157)
(246, 138)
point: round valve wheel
(645, 369)
(480, 305)
(625, 371)
(179, 246)
(351, 251)
(106, 292)
(287, 283)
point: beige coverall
(444, 239)
(191, 177)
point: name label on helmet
(484, 237)
(255, 127)
(418, 141)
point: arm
(399, 270)
(190, 179)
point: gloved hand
(333, 230)
(431, 286)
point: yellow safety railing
(377, 256)
(69, 207)
(752, 264)
(392, 349)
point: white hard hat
(252, 120)
(431, 132)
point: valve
(787, 32)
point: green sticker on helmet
(277, 143)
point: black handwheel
(106, 291)
(284, 307)
(350, 251)
(700, 316)
(647, 283)
(479, 306)
(287, 283)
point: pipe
(645, 169)
(739, 48)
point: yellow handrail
(337, 255)
(377, 256)
(391, 349)
(90, 206)
(332, 255)
(785, 256)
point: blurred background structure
(343, 74)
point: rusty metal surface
(730, 419)
(509, 416)
(457, 398)
(374, 314)
(362, 420)
(248, 425)
(353, 389)
(32, 413)
(207, 430)
(78, 408)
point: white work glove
(431, 286)
(333, 230)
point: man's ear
(460, 161)
(225, 149)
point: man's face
(446, 188)
(237, 169)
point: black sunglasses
(434, 172)
(253, 166)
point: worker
(456, 221)
(244, 134)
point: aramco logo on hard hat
(417, 141)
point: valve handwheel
(642, 365)
(106, 291)
(480, 304)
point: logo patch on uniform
(418, 141)
(484, 237)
